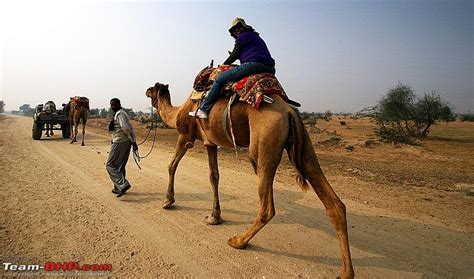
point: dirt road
(57, 206)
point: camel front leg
(266, 173)
(215, 217)
(83, 133)
(178, 155)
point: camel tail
(295, 147)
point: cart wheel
(66, 130)
(37, 130)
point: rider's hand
(135, 146)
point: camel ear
(166, 86)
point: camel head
(157, 93)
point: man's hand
(135, 146)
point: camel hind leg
(74, 133)
(84, 121)
(303, 157)
(269, 157)
(335, 209)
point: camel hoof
(82, 144)
(211, 220)
(71, 142)
(168, 203)
(236, 243)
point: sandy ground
(56, 205)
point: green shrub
(401, 117)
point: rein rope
(153, 124)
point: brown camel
(267, 132)
(78, 111)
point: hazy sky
(336, 55)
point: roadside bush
(93, 113)
(401, 117)
(309, 118)
(327, 116)
(466, 117)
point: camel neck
(167, 112)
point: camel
(78, 111)
(267, 132)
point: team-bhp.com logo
(57, 266)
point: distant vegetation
(310, 118)
(107, 113)
(402, 117)
(466, 117)
(2, 106)
(25, 109)
(140, 116)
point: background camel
(267, 132)
(78, 112)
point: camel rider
(254, 58)
(123, 138)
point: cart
(58, 119)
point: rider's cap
(236, 22)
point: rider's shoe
(199, 114)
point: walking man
(123, 138)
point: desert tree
(2, 106)
(401, 117)
(428, 110)
(94, 112)
(26, 110)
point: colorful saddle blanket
(80, 101)
(250, 89)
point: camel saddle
(251, 89)
(80, 101)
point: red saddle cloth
(250, 89)
(82, 101)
